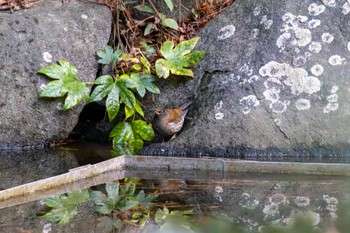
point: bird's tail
(186, 105)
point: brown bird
(169, 122)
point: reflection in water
(247, 203)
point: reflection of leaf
(177, 60)
(65, 83)
(142, 198)
(64, 207)
(108, 55)
(108, 224)
(128, 137)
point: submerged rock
(275, 81)
(34, 38)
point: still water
(171, 201)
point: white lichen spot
(279, 199)
(277, 121)
(272, 94)
(219, 115)
(315, 9)
(313, 216)
(314, 23)
(327, 37)
(47, 228)
(42, 86)
(299, 61)
(300, 82)
(271, 210)
(330, 3)
(59, 106)
(273, 69)
(65, 29)
(303, 104)
(84, 16)
(331, 107)
(283, 39)
(219, 105)
(255, 32)
(47, 57)
(249, 102)
(266, 22)
(346, 8)
(253, 78)
(336, 60)
(334, 89)
(219, 189)
(317, 70)
(303, 37)
(349, 46)
(279, 106)
(226, 32)
(332, 98)
(302, 201)
(315, 47)
(257, 10)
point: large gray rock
(275, 80)
(34, 38)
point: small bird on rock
(169, 122)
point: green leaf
(142, 198)
(170, 5)
(103, 88)
(112, 190)
(144, 8)
(138, 109)
(177, 60)
(128, 137)
(144, 82)
(170, 23)
(108, 224)
(54, 89)
(65, 83)
(108, 55)
(126, 96)
(112, 102)
(149, 50)
(148, 29)
(129, 112)
(146, 65)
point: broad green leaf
(98, 197)
(170, 5)
(104, 86)
(108, 55)
(127, 205)
(128, 137)
(62, 70)
(170, 23)
(144, 82)
(177, 60)
(129, 112)
(77, 92)
(112, 102)
(54, 89)
(144, 8)
(148, 29)
(149, 50)
(143, 129)
(138, 109)
(126, 96)
(108, 224)
(128, 189)
(66, 83)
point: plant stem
(154, 8)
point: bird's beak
(156, 111)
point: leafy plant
(179, 59)
(174, 221)
(64, 207)
(65, 84)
